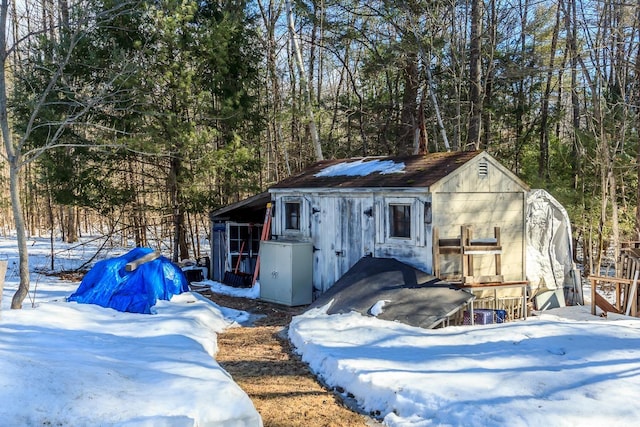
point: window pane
(400, 220)
(292, 216)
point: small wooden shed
(404, 208)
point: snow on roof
(362, 168)
(415, 171)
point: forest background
(136, 118)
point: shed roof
(370, 172)
(247, 210)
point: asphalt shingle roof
(419, 171)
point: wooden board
(130, 266)
(604, 304)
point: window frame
(281, 220)
(287, 224)
(400, 226)
(415, 221)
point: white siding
(415, 251)
(278, 228)
(344, 227)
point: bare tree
(304, 83)
(543, 162)
(16, 151)
(475, 75)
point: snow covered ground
(562, 369)
(71, 364)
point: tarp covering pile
(550, 248)
(109, 284)
(391, 290)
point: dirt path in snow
(262, 363)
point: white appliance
(286, 272)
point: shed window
(400, 221)
(292, 215)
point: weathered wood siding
(341, 232)
(415, 251)
(345, 226)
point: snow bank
(544, 371)
(71, 364)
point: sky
(76, 364)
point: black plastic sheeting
(412, 296)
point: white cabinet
(286, 272)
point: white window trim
(286, 215)
(416, 214)
(282, 219)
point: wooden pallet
(624, 284)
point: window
(400, 221)
(292, 216)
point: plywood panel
(484, 211)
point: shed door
(357, 232)
(342, 231)
(324, 235)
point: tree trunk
(180, 248)
(21, 234)
(615, 222)
(436, 107)
(72, 225)
(13, 157)
(51, 226)
(571, 30)
(475, 77)
(270, 18)
(543, 154)
(637, 94)
(408, 119)
(304, 84)
(487, 100)
(520, 97)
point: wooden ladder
(266, 230)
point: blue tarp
(108, 283)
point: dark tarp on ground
(413, 297)
(108, 284)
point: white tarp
(550, 265)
